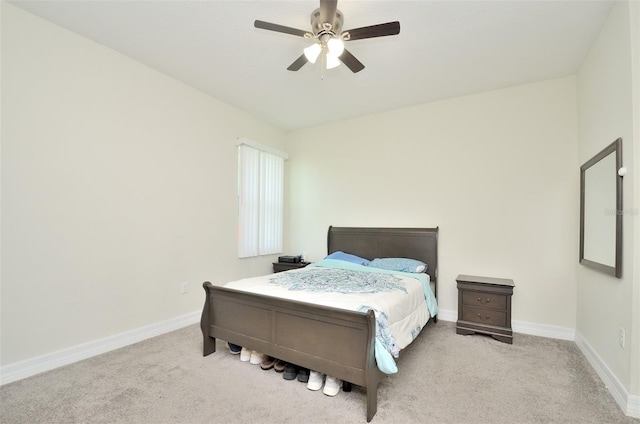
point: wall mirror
(601, 211)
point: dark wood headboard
(370, 243)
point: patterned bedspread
(402, 302)
(338, 280)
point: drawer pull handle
(486, 301)
(485, 318)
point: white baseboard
(49, 361)
(447, 315)
(544, 330)
(523, 327)
(629, 404)
(633, 406)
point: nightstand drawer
(484, 300)
(484, 316)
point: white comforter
(402, 302)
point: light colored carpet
(442, 378)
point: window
(260, 199)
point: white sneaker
(245, 355)
(315, 380)
(256, 358)
(332, 386)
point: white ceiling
(445, 49)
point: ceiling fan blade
(379, 30)
(350, 61)
(279, 28)
(298, 63)
(328, 10)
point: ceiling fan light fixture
(335, 46)
(326, 31)
(312, 52)
(332, 61)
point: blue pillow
(399, 264)
(341, 256)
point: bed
(333, 341)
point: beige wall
(607, 89)
(497, 172)
(115, 190)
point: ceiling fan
(326, 30)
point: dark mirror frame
(615, 147)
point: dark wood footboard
(332, 341)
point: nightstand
(484, 306)
(285, 266)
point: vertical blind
(261, 196)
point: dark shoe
(303, 375)
(290, 372)
(267, 363)
(234, 348)
(279, 365)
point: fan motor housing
(318, 27)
